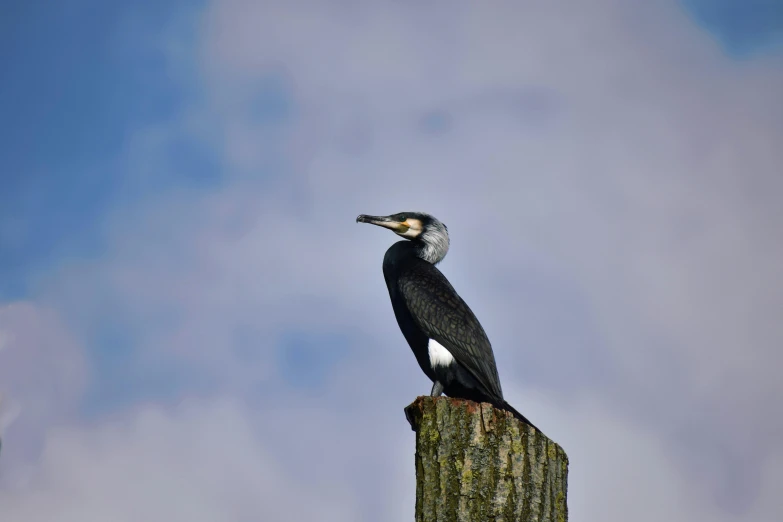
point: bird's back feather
(442, 314)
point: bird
(444, 334)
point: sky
(193, 326)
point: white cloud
(645, 183)
(619, 470)
(202, 462)
(42, 376)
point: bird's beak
(384, 221)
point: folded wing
(443, 316)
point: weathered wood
(478, 463)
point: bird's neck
(431, 251)
(431, 247)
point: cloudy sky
(193, 327)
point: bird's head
(416, 226)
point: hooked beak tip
(373, 220)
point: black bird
(448, 341)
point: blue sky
(78, 84)
(177, 176)
(84, 76)
(743, 29)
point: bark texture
(476, 463)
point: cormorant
(448, 341)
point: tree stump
(477, 463)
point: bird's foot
(437, 389)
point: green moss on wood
(475, 462)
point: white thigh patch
(439, 355)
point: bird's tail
(506, 406)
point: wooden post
(476, 463)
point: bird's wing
(442, 314)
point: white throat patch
(439, 355)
